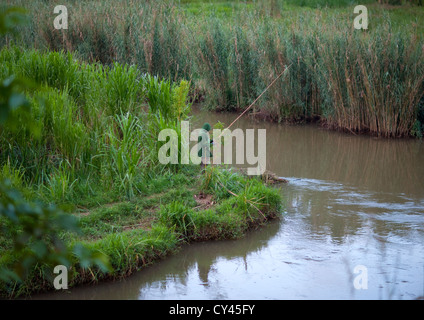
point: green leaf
(8, 275)
(9, 212)
(17, 100)
(39, 248)
(4, 112)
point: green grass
(136, 233)
(95, 124)
(94, 153)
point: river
(351, 202)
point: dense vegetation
(355, 80)
(88, 143)
(84, 107)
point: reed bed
(358, 81)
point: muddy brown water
(350, 201)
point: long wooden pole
(251, 105)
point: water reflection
(193, 273)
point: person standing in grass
(204, 145)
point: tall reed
(353, 80)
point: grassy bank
(182, 208)
(89, 143)
(358, 81)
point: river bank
(87, 142)
(182, 208)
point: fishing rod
(251, 105)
